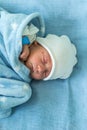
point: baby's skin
(37, 59)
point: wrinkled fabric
(14, 76)
(56, 104)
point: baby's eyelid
(45, 60)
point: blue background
(58, 104)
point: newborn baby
(48, 58)
(37, 59)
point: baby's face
(39, 62)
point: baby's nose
(40, 68)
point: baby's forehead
(42, 48)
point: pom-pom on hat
(62, 53)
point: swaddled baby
(47, 58)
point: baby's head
(62, 53)
(52, 57)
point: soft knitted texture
(63, 55)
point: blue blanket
(58, 104)
(14, 76)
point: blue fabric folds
(57, 104)
(14, 76)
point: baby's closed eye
(44, 60)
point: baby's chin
(36, 77)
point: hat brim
(42, 42)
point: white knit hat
(63, 55)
